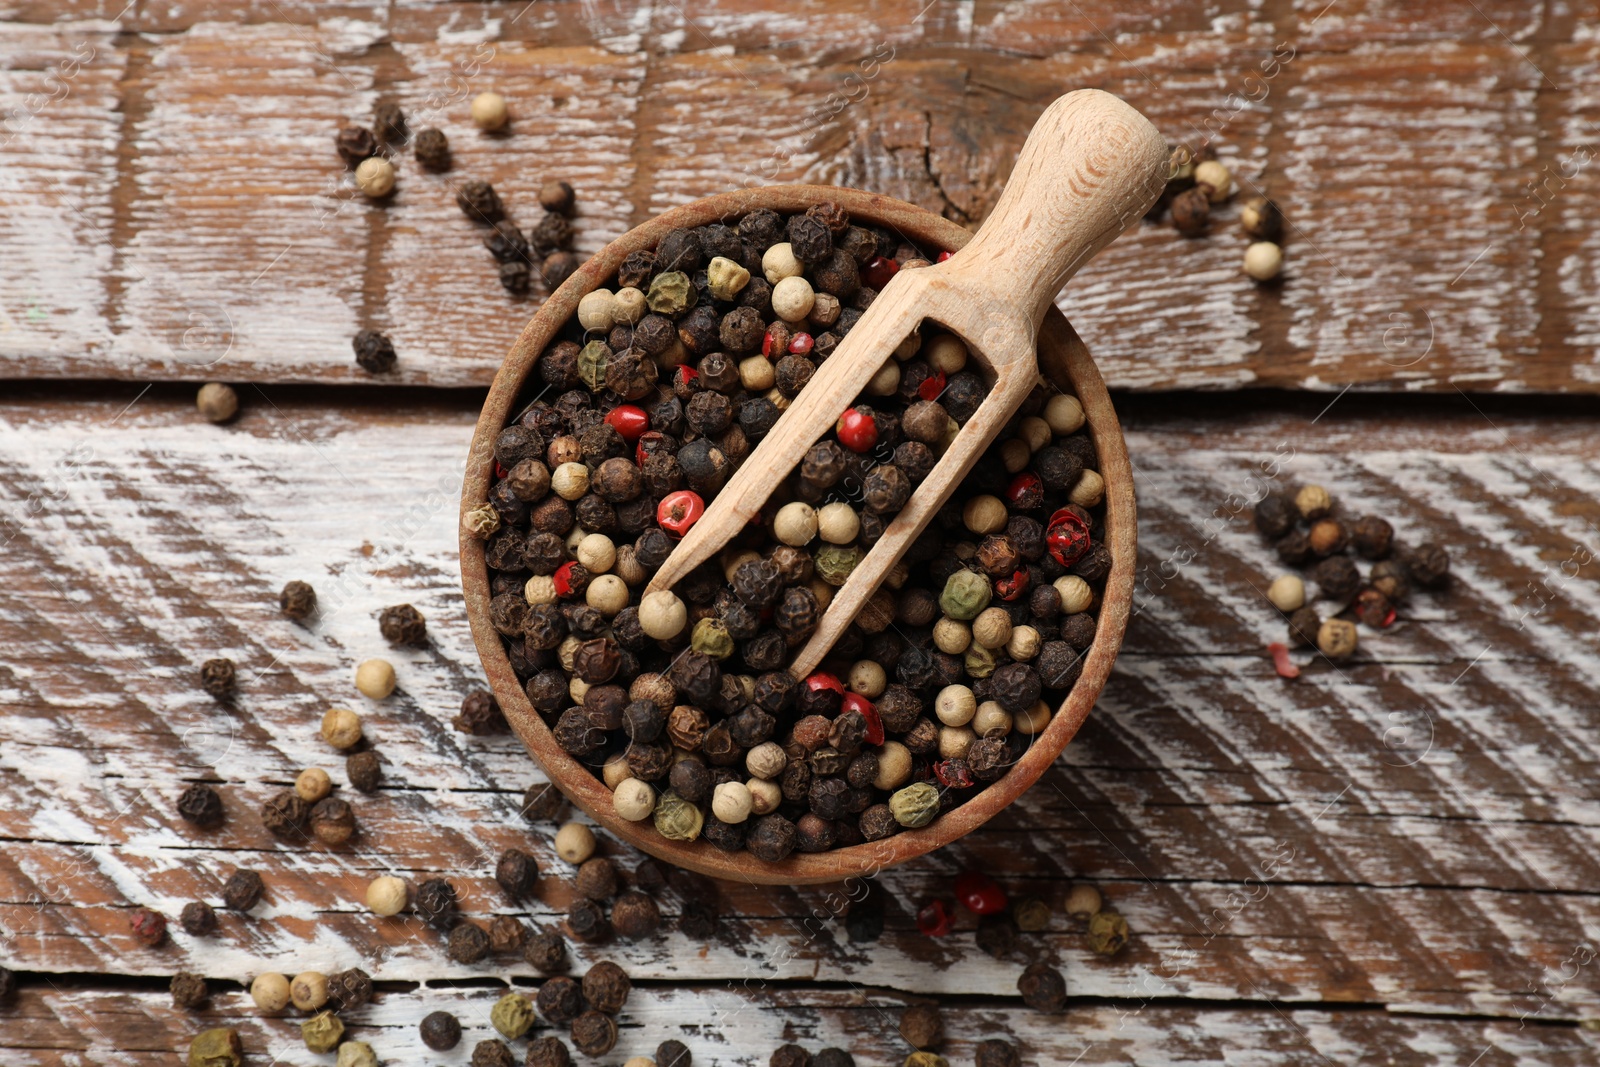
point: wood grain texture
(723, 1025)
(1433, 164)
(1414, 830)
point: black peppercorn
(432, 149)
(243, 890)
(1371, 537)
(671, 1053)
(517, 873)
(198, 919)
(789, 1056)
(480, 716)
(365, 770)
(771, 839)
(698, 919)
(298, 600)
(1303, 626)
(586, 921)
(374, 352)
(996, 935)
(437, 904)
(389, 123)
(1337, 577)
(506, 244)
(480, 203)
(201, 805)
(921, 1026)
(403, 624)
(606, 987)
(546, 953)
(1294, 548)
(440, 1031)
(594, 1034)
(809, 238)
(997, 1052)
(350, 989)
(1191, 212)
(1428, 564)
(1043, 988)
(354, 144)
(492, 1053)
(680, 250)
(548, 1051)
(188, 990)
(216, 677)
(557, 268)
(285, 813)
(469, 943)
(792, 373)
(1276, 515)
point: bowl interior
(1062, 360)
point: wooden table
(1392, 861)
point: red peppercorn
(649, 444)
(932, 387)
(878, 271)
(1281, 661)
(944, 256)
(767, 344)
(499, 471)
(1068, 537)
(802, 344)
(563, 579)
(934, 919)
(857, 431)
(953, 773)
(822, 680)
(1026, 491)
(1014, 586)
(679, 511)
(686, 374)
(979, 893)
(629, 419)
(857, 702)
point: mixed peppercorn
(1197, 182)
(1307, 531)
(681, 700)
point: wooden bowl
(1063, 359)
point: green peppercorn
(1108, 932)
(677, 819)
(835, 562)
(671, 293)
(916, 805)
(980, 661)
(322, 1032)
(711, 637)
(1031, 915)
(593, 362)
(966, 593)
(512, 1015)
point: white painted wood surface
(1415, 830)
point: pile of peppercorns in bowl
(634, 413)
(1307, 531)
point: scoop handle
(1091, 167)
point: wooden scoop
(1092, 165)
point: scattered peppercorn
(1043, 989)
(201, 805)
(431, 149)
(189, 990)
(198, 919)
(148, 927)
(298, 600)
(375, 355)
(243, 890)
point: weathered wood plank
(1327, 840)
(726, 1025)
(1407, 270)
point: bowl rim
(1062, 353)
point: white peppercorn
(312, 784)
(1033, 720)
(779, 262)
(954, 741)
(955, 705)
(633, 799)
(1336, 638)
(765, 795)
(1220, 180)
(766, 760)
(540, 589)
(607, 594)
(628, 305)
(731, 802)
(615, 771)
(217, 402)
(309, 990)
(1024, 643)
(1076, 596)
(884, 383)
(387, 895)
(597, 310)
(894, 766)
(1035, 431)
(1287, 592)
(1090, 490)
(597, 553)
(725, 278)
(574, 842)
(570, 481)
(1083, 901)
(868, 678)
(270, 992)
(992, 628)
(375, 678)
(945, 353)
(991, 716)
(489, 111)
(838, 523)
(757, 374)
(985, 514)
(1263, 260)
(1064, 414)
(375, 177)
(341, 728)
(951, 637)
(662, 615)
(795, 524)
